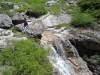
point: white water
(57, 62)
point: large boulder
(52, 20)
(7, 4)
(5, 21)
(33, 30)
(17, 18)
(86, 38)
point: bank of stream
(91, 56)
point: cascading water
(57, 62)
(63, 55)
(57, 57)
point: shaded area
(91, 56)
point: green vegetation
(37, 7)
(95, 59)
(90, 6)
(5, 70)
(80, 19)
(55, 9)
(6, 10)
(63, 25)
(69, 9)
(25, 59)
(24, 7)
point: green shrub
(38, 9)
(55, 9)
(69, 8)
(95, 59)
(26, 58)
(91, 7)
(62, 25)
(23, 8)
(81, 19)
(89, 4)
(6, 11)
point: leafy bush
(6, 11)
(89, 4)
(55, 9)
(95, 59)
(69, 9)
(38, 9)
(26, 58)
(81, 19)
(91, 7)
(24, 7)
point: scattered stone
(6, 36)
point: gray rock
(33, 30)
(50, 3)
(5, 20)
(64, 18)
(17, 18)
(52, 20)
(6, 36)
(7, 4)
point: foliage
(55, 9)
(95, 59)
(81, 19)
(5, 70)
(24, 7)
(69, 9)
(38, 9)
(63, 25)
(6, 11)
(26, 58)
(36, 6)
(91, 7)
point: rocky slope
(67, 46)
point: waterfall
(57, 62)
(63, 63)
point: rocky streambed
(70, 48)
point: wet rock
(75, 65)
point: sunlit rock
(5, 21)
